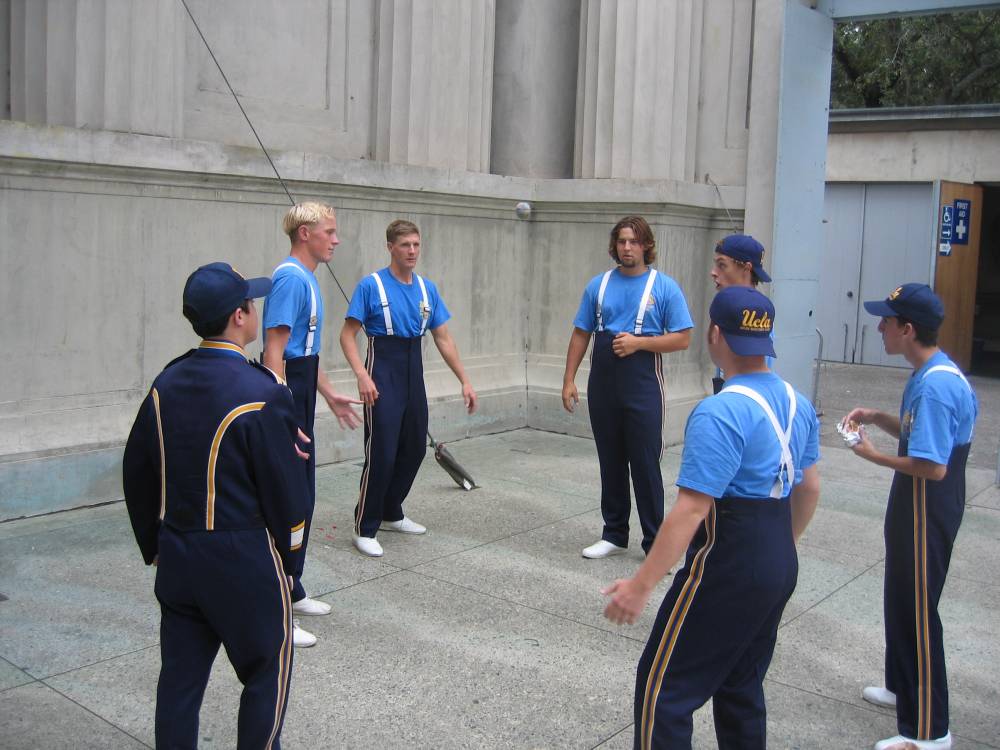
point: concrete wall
(914, 156)
(101, 229)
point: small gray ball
(523, 210)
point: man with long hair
(634, 315)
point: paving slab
(36, 716)
(487, 631)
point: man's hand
(470, 398)
(340, 405)
(570, 396)
(625, 344)
(628, 599)
(302, 438)
(367, 391)
(860, 416)
(864, 447)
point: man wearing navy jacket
(214, 491)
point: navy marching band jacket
(212, 448)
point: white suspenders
(953, 371)
(642, 302)
(425, 306)
(312, 305)
(787, 467)
(947, 368)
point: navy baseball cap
(916, 302)
(744, 248)
(213, 291)
(746, 318)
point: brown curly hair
(642, 233)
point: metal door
(878, 235)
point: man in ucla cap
(737, 262)
(214, 491)
(747, 487)
(926, 502)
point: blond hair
(309, 213)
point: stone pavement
(487, 632)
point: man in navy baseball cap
(747, 251)
(745, 317)
(914, 302)
(215, 290)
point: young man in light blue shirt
(926, 504)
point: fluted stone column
(100, 64)
(637, 89)
(534, 87)
(434, 83)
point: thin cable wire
(253, 130)
(722, 203)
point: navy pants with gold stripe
(222, 587)
(715, 632)
(395, 431)
(301, 374)
(625, 398)
(921, 523)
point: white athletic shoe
(879, 696)
(899, 742)
(368, 546)
(309, 606)
(602, 549)
(302, 638)
(405, 526)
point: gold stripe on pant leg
(670, 632)
(285, 657)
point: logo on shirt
(651, 303)
(755, 321)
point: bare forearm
(805, 498)
(578, 342)
(274, 351)
(674, 536)
(666, 342)
(449, 353)
(887, 423)
(323, 384)
(349, 345)
(918, 468)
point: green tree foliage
(917, 61)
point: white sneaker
(405, 526)
(899, 742)
(602, 549)
(368, 546)
(309, 606)
(302, 638)
(879, 696)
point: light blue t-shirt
(404, 306)
(289, 304)
(666, 310)
(730, 449)
(938, 411)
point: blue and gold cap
(916, 302)
(745, 248)
(746, 318)
(213, 291)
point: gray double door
(878, 235)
